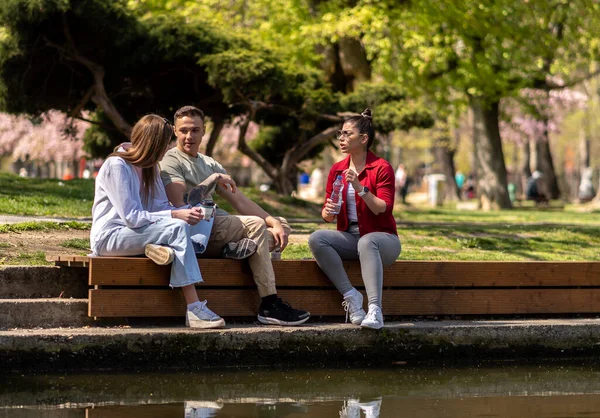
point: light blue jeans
(175, 233)
(374, 250)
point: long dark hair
(364, 124)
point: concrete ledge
(43, 313)
(320, 344)
(43, 282)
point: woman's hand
(328, 210)
(191, 216)
(352, 178)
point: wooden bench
(136, 287)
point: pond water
(400, 391)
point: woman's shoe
(352, 304)
(374, 318)
(160, 254)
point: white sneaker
(371, 409)
(350, 409)
(160, 254)
(374, 318)
(202, 409)
(202, 317)
(353, 306)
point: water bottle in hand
(336, 194)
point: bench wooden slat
(68, 260)
(130, 271)
(327, 302)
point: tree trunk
(543, 162)
(525, 166)
(445, 157)
(214, 136)
(492, 186)
(283, 176)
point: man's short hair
(190, 111)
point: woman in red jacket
(366, 228)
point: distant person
(183, 167)
(534, 190)
(23, 172)
(470, 187)
(586, 191)
(68, 175)
(131, 216)
(366, 228)
(402, 182)
(459, 178)
(316, 182)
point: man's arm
(175, 191)
(247, 207)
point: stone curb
(319, 344)
(44, 313)
(43, 282)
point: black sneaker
(239, 250)
(281, 313)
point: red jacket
(378, 176)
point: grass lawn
(426, 234)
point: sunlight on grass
(77, 243)
(37, 258)
(44, 226)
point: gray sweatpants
(374, 250)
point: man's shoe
(281, 313)
(202, 317)
(350, 409)
(374, 318)
(160, 254)
(353, 306)
(241, 249)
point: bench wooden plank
(130, 271)
(327, 302)
(68, 260)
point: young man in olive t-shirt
(183, 167)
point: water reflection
(549, 391)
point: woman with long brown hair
(131, 215)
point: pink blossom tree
(53, 137)
(530, 119)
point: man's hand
(191, 216)
(225, 180)
(279, 235)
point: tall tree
(479, 52)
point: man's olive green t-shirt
(179, 167)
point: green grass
(77, 243)
(426, 234)
(37, 258)
(45, 197)
(44, 226)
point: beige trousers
(231, 228)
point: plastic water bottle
(336, 194)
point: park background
(492, 89)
